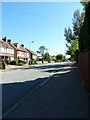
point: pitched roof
(19, 47)
(5, 44)
(11, 44)
(22, 48)
(32, 52)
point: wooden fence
(84, 68)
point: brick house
(12, 51)
(32, 54)
(6, 51)
(20, 53)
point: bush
(17, 62)
(2, 65)
(32, 62)
(14, 62)
(21, 61)
(35, 61)
(60, 58)
(47, 57)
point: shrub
(35, 61)
(2, 65)
(14, 62)
(32, 62)
(21, 61)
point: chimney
(15, 44)
(4, 39)
(9, 41)
(22, 45)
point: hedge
(84, 37)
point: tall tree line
(84, 36)
(72, 35)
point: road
(31, 73)
(17, 83)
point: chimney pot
(15, 44)
(9, 41)
(4, 39)
(22, 45)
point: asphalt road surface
(63, 96)
(17, 83)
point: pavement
(15, 67)
(62, 96)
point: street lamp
(31, 43)
(30, 49)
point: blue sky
(42, 22)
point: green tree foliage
(2, 65)
(68, 34)
(72, 35)
(60, 58)
(84, 3)
(72, 49)
(84, 37)
(42, 50)
(47, 57)
(78, 19)
(53, 58)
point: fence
(84, 68)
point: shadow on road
(62, 97)
(12, 92)
(44, 67)
(62, 69)
(49, 66)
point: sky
(41, 22)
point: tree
(68, 34)
(53, 58)
(60, 57)
(84, 37)
(84, 3)
(78, 19)
(47, 57)
(41, 50)
(72, 49)
(72, 35)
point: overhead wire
(27, 12)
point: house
(6, 51)
(32, 54)
(20, 53)
(12, 51)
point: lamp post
(30, 49)
(31, 43)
